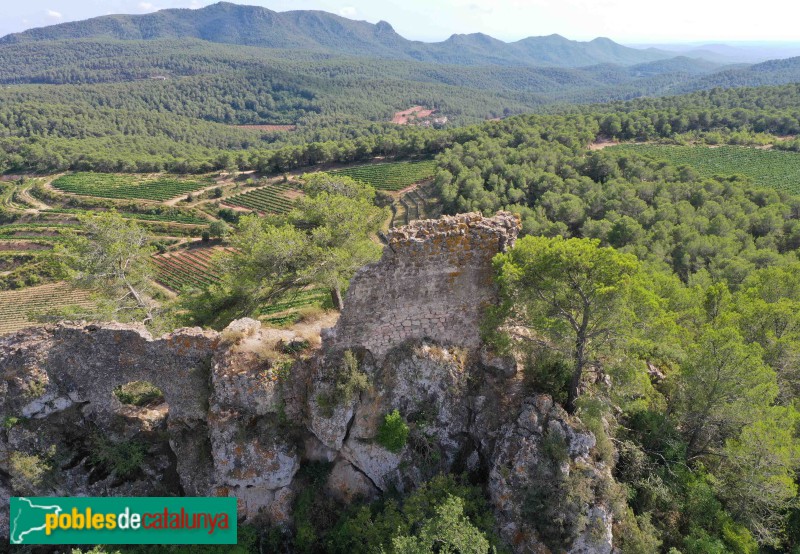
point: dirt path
(174, 201)
(37, 204)
(601, 143)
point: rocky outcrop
(218, 431)
(543, 482)
(241, 414)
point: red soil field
(415, 112)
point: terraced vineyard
(168, 217)
(188, 268)
(24, 245)
(766, 168)
(111, 185)
(33, 231)
(16, 305)
(391, 176)
(275, 198)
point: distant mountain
(772, 72)
(321, 31)
(736, 52)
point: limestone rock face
(542, 469)
(252, 456)
(218, 431)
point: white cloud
(348, 11)
(146, 6)
(52, 14)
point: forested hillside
(128, 93)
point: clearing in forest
(415, 112)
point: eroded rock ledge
(236, 420)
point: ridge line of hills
(314, 30)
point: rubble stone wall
(434, 281)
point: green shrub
(139, 393)
(548, 372)
(30, 472)
(634, 535)
(315, 512)
(121, 458)
(377, 528)
(554, 446)
(393, 432)
(349, 382)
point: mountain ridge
(229, 23)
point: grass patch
(139, 393)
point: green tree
(322, 242)
(757, 473)
(340, 233)
(723, 386)
(342, 185)
(111, 258)
(441, 515)
(270, 260)
(575, 294)
(448, 532)
(219, 229)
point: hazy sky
(627, 21)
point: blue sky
(627, 21)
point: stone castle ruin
(433, 281)
(236, 421)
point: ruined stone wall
(433, 281)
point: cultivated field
(767, 168)
(391, 176)
(188, 268)
(47, 208)
(111, 185)
(274, 198)
(16, 305)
